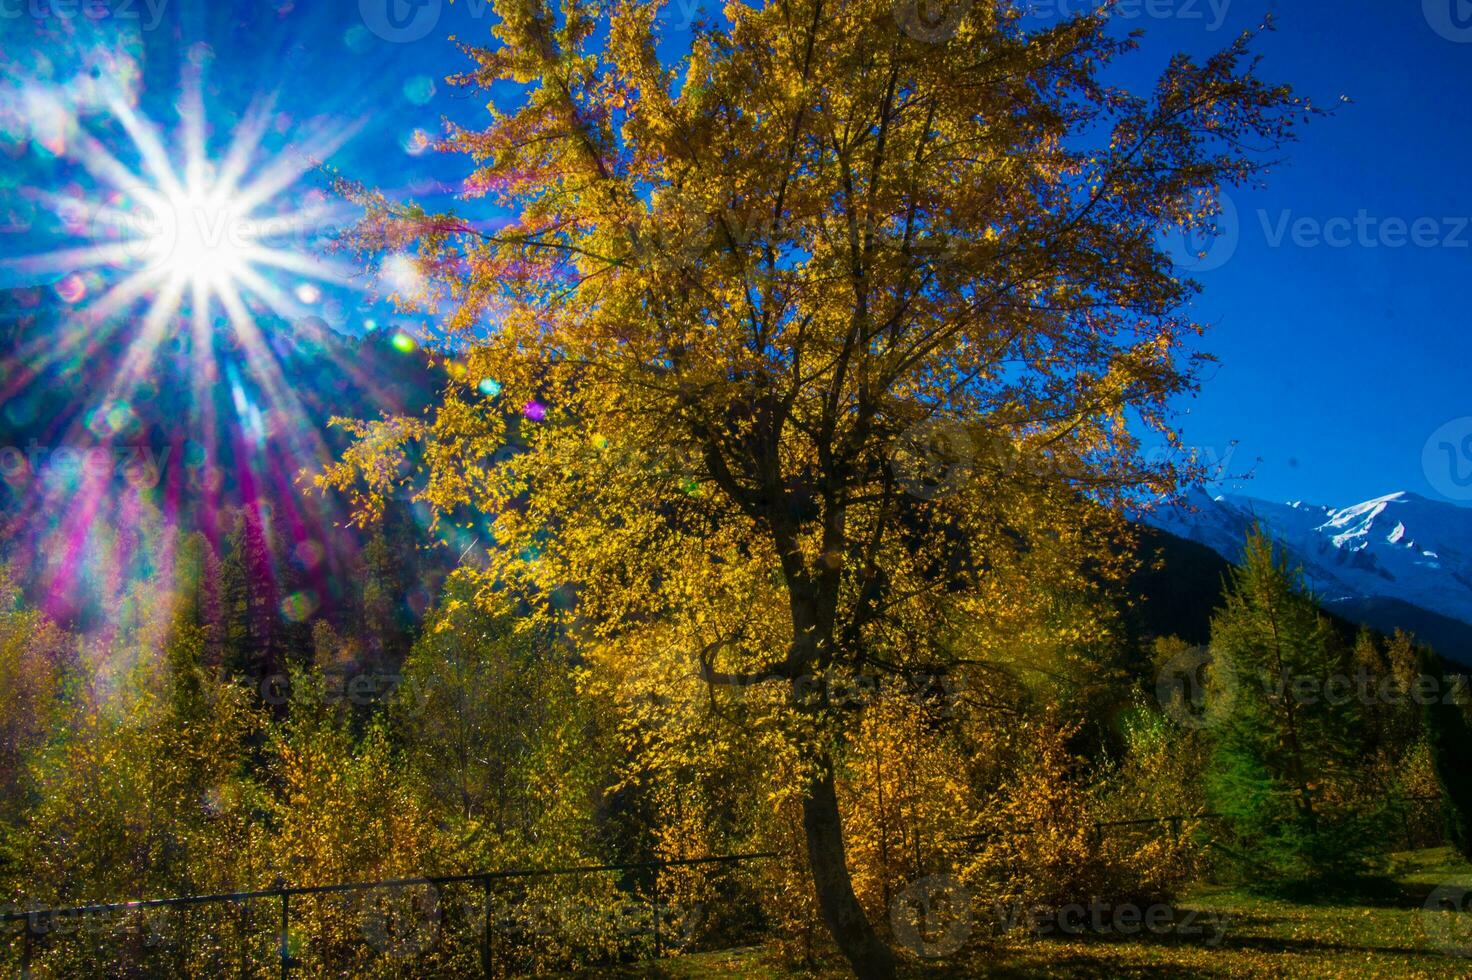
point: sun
(198, 239)
(180, 238)
(185, 232)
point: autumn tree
(818, 346)
(496, 735)
(35, 656)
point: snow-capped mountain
(1366, 561)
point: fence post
(485, 936)
(284, 946)
(25, 953)
(658, 949)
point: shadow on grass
(1366, 892)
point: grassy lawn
(1383, 935)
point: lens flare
(183, 230)
(175, 268)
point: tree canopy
(821, 349)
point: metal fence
(38, 924)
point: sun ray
(244, 141)
(141, 350)
(322, 269)
(124, 294)
(288, 167)
(155, 157)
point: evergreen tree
(198, 577)
(1284, 762)
(184, 659)
(1450, 738)
(385, 626)
(250, 608)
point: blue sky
(1341, 333)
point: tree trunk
(866, 953)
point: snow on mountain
(1400, 546)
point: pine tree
(184, 660)
(249, 602)
(197, 576)
(384, 622)
(1450, 737)
(1284, 761)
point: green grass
(1382, 933)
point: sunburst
(185, 233)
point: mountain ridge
(1399, 560)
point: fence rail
(1097, 828)
(284, 893)
(1174, 821)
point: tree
(36, 657)
(248, 599)
(1287, 747)
(198, 577)
(384, 628)
(772, 327)
(141, 788)
(487, 713)
(1450, 738)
